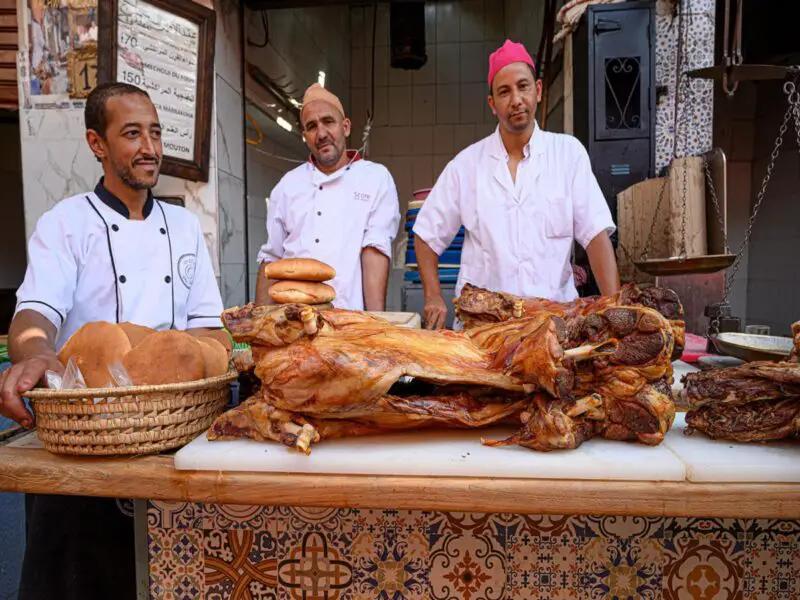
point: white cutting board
(401, 319)
(708, 460)
(438, 453)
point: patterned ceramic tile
(467, 558)
(695, 100)
(315, 563)
(772, 561)
(700, 566)
(544, 566)
(240, 564)
(340, 554)
(390, 554)
(176, 563)
(622, 527)
(239, 516)
(626, 569)
(170, 515)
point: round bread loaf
(299, 269)
(136, 333)
(301, 292)
(166, 357)
(215, 356)
(94, 347)
(222, 336)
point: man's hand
(434, 313)
(20, 378)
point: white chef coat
(332, 218)
(88, 262)
(519, 234)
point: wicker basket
(144, 419)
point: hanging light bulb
(321, 78)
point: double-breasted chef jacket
(87, 261)
(332, 218)
(518, 234)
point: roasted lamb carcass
(757, 401)
(338, 363)
(625, 395)
(476, 307)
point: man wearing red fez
(523, 196)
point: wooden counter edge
(153, 477)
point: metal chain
(715, 201)
(649, 240)
(793, 97)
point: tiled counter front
(244, 552)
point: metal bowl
(751, 347)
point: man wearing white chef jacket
(523, 196)
(113, 254)
(337, 208)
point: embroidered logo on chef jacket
(186, 265)
(362, 196)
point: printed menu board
(158, 51)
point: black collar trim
(117, 205)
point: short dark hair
(533, 72)
(94, 114)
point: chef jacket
(332, 218)
(87, 261)
(518, 234)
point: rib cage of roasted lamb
(334, 373)
(754, 402)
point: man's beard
(519, 126)
(126, 175)
(329, 162)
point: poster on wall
(61, 62)
(167, 49)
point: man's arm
(436, 225)
(375, 278)
(32, 350)
(604, 264)
(434, 314)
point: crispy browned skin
(622, 396)
(330, 374)
(261, 421)
(750, 382)
(352, 359)
(759, 421)
(476, 307)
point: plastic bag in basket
(119, 375)
(72, 379)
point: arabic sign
(158, 51)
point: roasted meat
(261, 421)
(625, 395)
(756, 401)
(747, 383)
(795, 357)
(758, 421)
(335, 373)
(476, 307)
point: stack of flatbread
(149, 357)
(301, 281)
